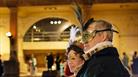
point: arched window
(47, 30)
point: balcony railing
(34, 36)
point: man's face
(93, 40)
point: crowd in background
(131, 65)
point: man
(102, 59)
(50, 60)
(58, 60)
(125, 60)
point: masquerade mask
(88, 35)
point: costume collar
(97, 48)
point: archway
(45, 30)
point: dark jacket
(1, 68)
(105, 63)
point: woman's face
(74, 60)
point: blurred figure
(134, 55)
(32, 65)
(62, 68)
(134, 65)
(1, 67)
(125, 60)
(58, 60)
(50, 60)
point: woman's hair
(77, 48)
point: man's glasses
(88, 35)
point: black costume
(50, 60)
(58, 60)
(1, 68)
(104, 63)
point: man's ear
(104, 36)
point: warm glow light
(55, 22)
(8, 34)
(37, 39)
(34, 27)
(59, 22)
(38, 30)
(51, 22)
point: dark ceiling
(16, 3)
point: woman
(74, 58)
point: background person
(134, 65)
(50, 60)
(32, 65)
(58, 60)
(125, 60)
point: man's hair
(101, 25)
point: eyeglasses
(88, 35)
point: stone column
(13, 30)
(11, 67)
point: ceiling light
(55, 22)
(59, 22)
(51, 22)
(34, 27)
